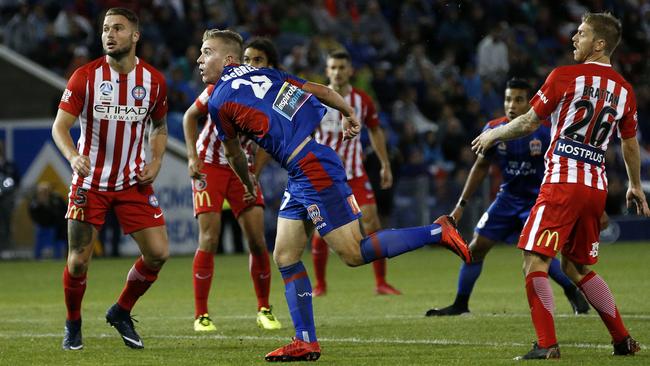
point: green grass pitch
(355, 327)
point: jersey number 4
(260, 84)
(601, 126)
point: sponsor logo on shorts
(353, 204)
(314, 214)
(551, 237)
(201, 198)
(200, 184)
(138, 92)
(76, 213)
(153, 201)
(581, 152)
(594, 249)
(535, 146)
(289, 100)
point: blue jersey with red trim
(521, 161)
(267, 105)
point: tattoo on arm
(158, 127)
(520, 126)
(80, 235)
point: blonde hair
(606, 27)
(232, 40)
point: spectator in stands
(47, 210)
(492, 55)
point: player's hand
(457, 213)
(351, 127)
(636, 199)
(80, 164)
(483, 142)
(149, 173)
(386, 177)
(194, 167)
(250, 194)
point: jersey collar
(599, 63)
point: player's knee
(78, 266)
(283, 257)
(257, 246)
(352, 259)
(208, 241)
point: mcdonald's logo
(202, 197)
(76, 213)
(551, 236)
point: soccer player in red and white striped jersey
(213, 181)
(339, 71)
(114, 98)
(587, 103)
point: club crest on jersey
(138, 92)
(535, 147)
(314, 214)
(153, 201)
(106, 91)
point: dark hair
(605, 27)
(128, 14)
(265, 45)
(516, 83)
(230, 38)
(340, 55)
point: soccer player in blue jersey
(279, 112)
(521, 163)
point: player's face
(583, 42)
(515, 103)
(118, 36)
(338, 71)
(255, 58)
(214, 56)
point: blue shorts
(505, 218)
(317, 190)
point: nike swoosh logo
(265, 276)
(76, 347)
(137, 343)
(202, 277)
(157, 216)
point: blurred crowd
(436, 69)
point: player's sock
(298, 293)
(379, 267)
(600, 297)
(393, 242)
(73, 289)
(556, 273)
(261, 274)
(319, 253)
(202, 271)
(542, 306)
(138, 281)
(467, 277)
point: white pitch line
(354, 340)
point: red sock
(261, 274)
(600, 297)
(138, 281)
(73, 290)
(379, 267)
(202, 271)
(542, 306)
(319, 253)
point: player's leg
(289, 245)
(576, 299)
(467, 277)
(203, 267)
(251, 221)
(319, 255)
(371, 224)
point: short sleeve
(201, 101)
(73, 97)
(293, 79)
(547, 97)
(160, 108)
(628, 124)
(371, 118)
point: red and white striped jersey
(113, 111)
(330, 132)
(208, 145)
(586, 104)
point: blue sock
(393, 242)
(556, 273)
(467, 277)
(297, 290)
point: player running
(212, 182)
(339, 70)
(587, 103)
(279, 112)
(114, 98)
(521, 163)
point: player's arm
(378, 143)
(329, 97)
(261, 159)
(476, 176)
(635, 196)
(157, 145)
(190, 130)
(239, 164)
(521, 126)
(61, 134)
